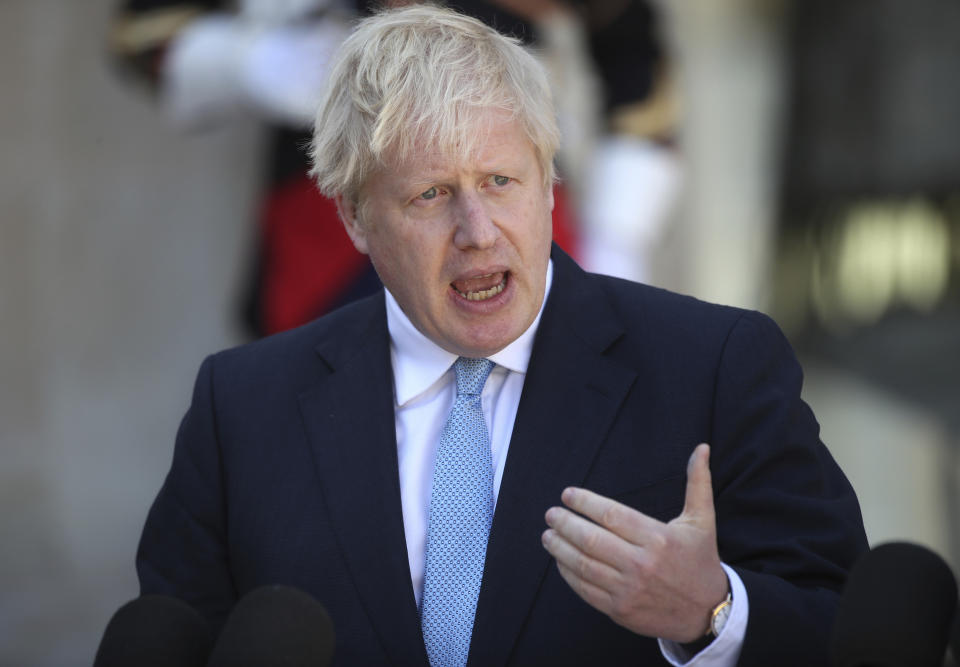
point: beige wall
(122, 244)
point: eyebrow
(427, 176)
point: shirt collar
(418, 362)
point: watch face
(720, 619)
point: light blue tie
(461, 510)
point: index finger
(621, 520)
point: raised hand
(656, 579)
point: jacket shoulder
(297, 352)
(665, 314)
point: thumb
(698, 503)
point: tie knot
(472, 374)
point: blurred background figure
(210, 62)
(619, 120)
(798, 157)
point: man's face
(462, 242)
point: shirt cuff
(724, 651)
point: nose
(475, 227)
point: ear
(351, 222)
(550, 201)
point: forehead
(496, 141)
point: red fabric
(308, 258)
(309, 261)
(565, 232)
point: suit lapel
(349, 420)
(571, 395)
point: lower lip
(485, 305)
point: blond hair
(419, 75)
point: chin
(484, 346)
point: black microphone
(895, 610)
(275, 626)
(155, 631)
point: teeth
(483, 294)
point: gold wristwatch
(719, 616)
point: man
(331, 458)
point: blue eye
(501, 180)
(429, 194)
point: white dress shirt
(424, 392)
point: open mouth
(481, 288)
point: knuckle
(593, 541)
(584, 567)
(611, 516)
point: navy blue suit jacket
(285, 472)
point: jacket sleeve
(788, 520)
(183, 549)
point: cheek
(542, 232)
(404, 262)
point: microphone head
(895, 610)
(155, 631)
(277, 626)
